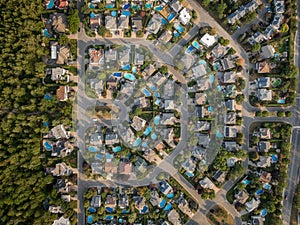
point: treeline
(23, 109)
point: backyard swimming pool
(176, 34)
(92, 209)
(129, 76)
(93, 149)
(267, 186)
(189, 174)
(90, 219)
(159, 8)
(211, 78)
(157, 102)
(259, 192)
(45, 31)
(281, 101)
(146, 92)
(48, 146)
(219, 88)
(108, 209)
(137, 142)
(126, 6)
(148, 5)
(170, 195)
(264, 212)
(117, 74)
(153, 88)
(148, 131)
(219, 134)
(91, 6)
(162, 203)
(109, 217)
(117, 149)
(113, 13)
(196, 45)
(134, 70)
(92, 15)
(50, 4)
(189, 49)
(179, 28)
(274, 158)
(164, 21)
(48, 97)
(99, 156)
(153, 136)
(145, 209)
(168, 207)
(171, 16)
(157, 94)
(246, 182)
(156, 120)
(210, 108)
(45, 124)
(126, 13)
(126, 67)
(144, 145)
(110, 6)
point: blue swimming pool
(153, 88)
(109, 217)
(126, 6)
(134, 70)
(211, 78)
(219, 88)
(196, 45)
(147, 131)
(126, 13)
(216, 66)
(264, 212)
(48, 146)
(90, 219)
(170, 195)
(109, 156)
(189, 174)
(219, 134)
(267, 186)
(126, 67)
(50, 4)
(93, 149)
(176, 34)
(274, 158)
(113, 13)
(189, 49)
(156, 120)
(108, 209)
(171, 16)
(259, 192)
(179, 28)
(153, 136)
(146, 92)
(92, 15)
(144, 144)
(110, 6)
(48, 97)
(162, 203)
(246, 182)
(159, 8)
(117, 74)
(92, 209)
(137, 142)
(46, 33)
(281, 101)
(45, 124)
(168, 207)
(124, 211)
(164, 21)
(129, 76)
(210, 108)
(157, 102)
(91, 6)
(117, 149)
(157, 94)
(148, 5)
(144, 210)
(99, 156)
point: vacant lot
(219, 216)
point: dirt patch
(219, 216)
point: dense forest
(23, 109)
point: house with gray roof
(203, 140)
(111, 23)
(230, 118)
(123, 22)
(176, 5)
(230, 131)
(154, 24)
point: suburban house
(264, 82)
(111, 202)
(96, 56)
(257, 37)
(264, 94)
(265, 177)
(251, 205)
(96, 139)
(184, 16)
(168, 135)
(96, 201)
(219, 51)
(200, 98)
(124, 57)
(62, 55)
(199, 71)
(264, 161)
(62, 186)
(231, 161)
(174, 217)
(55, 209)
(229, 77)
(111, 23)
(155, 199)
(227, 63)
(219, 176)
(125, 168)
(265, 133)
(154, 24)
(201, 111)
(230, 118)
(202, 126)
(110, 168)
(175, 5)
(59, 22)
(241, 196)
(149, 71)
(165, 187)
(168, 119)
(111, 138)
(230, 132)
(183, 205)
(137, 23)
(242, 11)
(231, 105)
(110, 56)
(97, 85)
(140, 204)
(267, 52)
(62, 221)
(139, 58)
(203, 140)
(208, 40)
(138, 123)
(62, 93)
(263, 67)
(123, 22)
(140, 165)
(61, 169)
(264, 146)
(59, 132)
(58, 73)
(230, 146)
(189, 166)
(123, 200)
(95, 22)
(257, 220)
(165, 37)
(206, 183)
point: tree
(288, 113)
(205, 3)
(220, 9)
(73, 20)
(240, 186)
(284, 28)
(240, 62)
(239, 98)
(223, 41)
(102, 30)
(231, 51)
(237, 171)
(280, 114)
(256, 47)
(163, 69)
